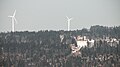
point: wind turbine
(13, 21)
(69, 19)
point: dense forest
(45, 49)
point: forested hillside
(45, 49)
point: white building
(81, 43)
(91, 43)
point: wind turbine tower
(13, 21)
(68, 20)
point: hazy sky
(51, 14)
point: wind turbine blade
(10, 16)
(15, 20)
(14, 13)
(67, 17)
(71, 18)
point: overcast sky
(34, 15)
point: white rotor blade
(71, 18)
(14, 13)
(10, 16)
(67, 17)
(15, 20)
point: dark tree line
(100, 31)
